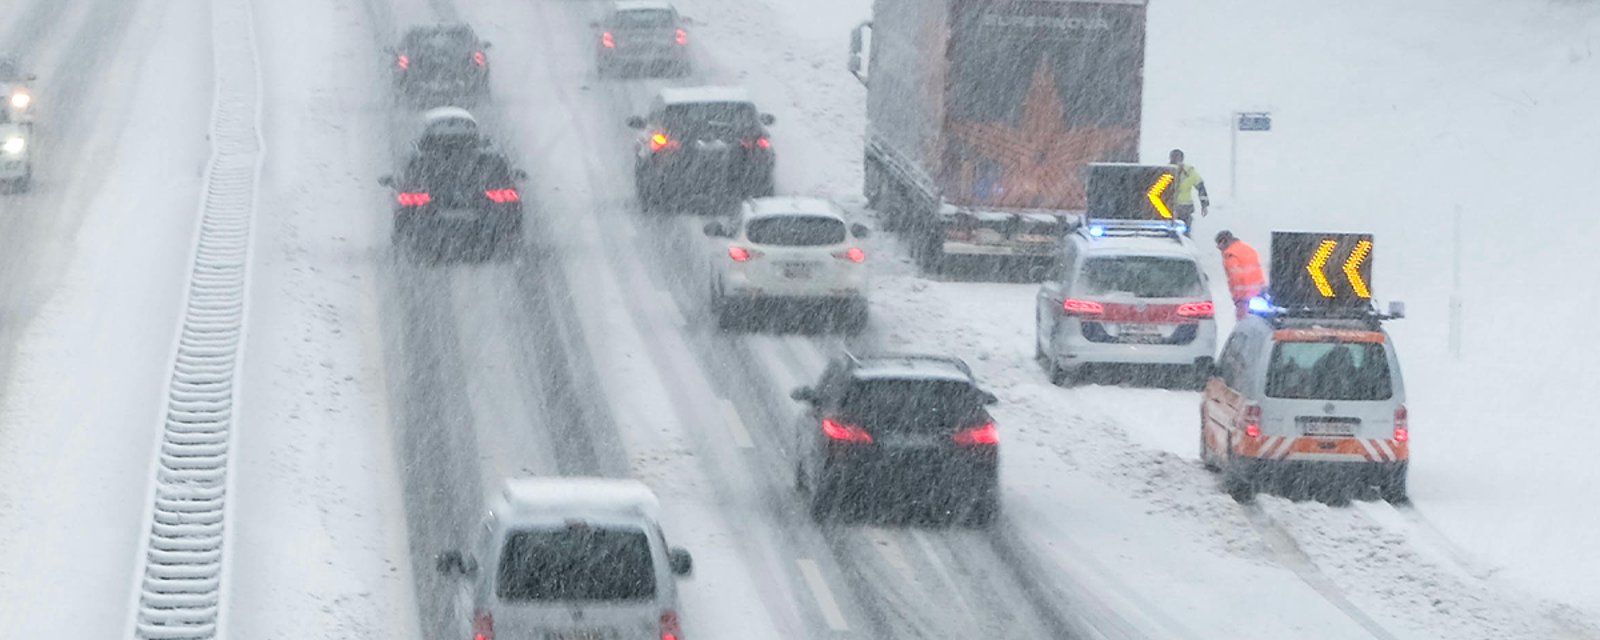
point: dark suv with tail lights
(907, 430)
(455, 195)
(440, 65)
(702, 145)
(645, 34)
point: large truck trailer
(983, 116)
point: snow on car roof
(556, 498)
(911, 365)
(448, 113)
(641, 5)
(794, 205)
(687, 95)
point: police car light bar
(1131, 228)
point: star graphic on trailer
(1041, 157)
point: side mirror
(989, 398)
(519, 175)
(716, 229)
(856, 47)
(635, 122)
(1397, 309)
(768, 119)
(387, 181)
(804, 394)
(860, 230)
(453, 562)
(855, 64)
(682, 562)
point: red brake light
(1252, 420)
(502, 196)
(482, 625)
(984, 435)
(683, 37)
(670, 629)
(414, 199)
(1074, 307)
(853, 254)
(845, 432)
(1197, 310)
(404, 62)
(1402, 424)
(741, 254)
(608, 41)
(479, 58)
(758, 143)
(660, 141)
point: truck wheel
(853, 316)
(1393, 488)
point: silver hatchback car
(569, 559)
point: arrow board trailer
(984, 115)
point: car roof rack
(1366, 314)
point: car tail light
(1252, 420)
(985, 435)
(670, 629)
(608, 41)
(1074, 307)
(1402, 424)
(758, 143)
(741, 254)
(414, 199)
(482, 625)
(845, 432)
(1197, 310)
(853, 254)
(502, 196)
(479, 59)
(683, 37)
(403, 61)
(659, 141)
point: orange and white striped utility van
(1308, 396)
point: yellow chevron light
(1154, 194)
(1319, 260)
(1352, 268)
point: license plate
(1139, 331)
(581, 635)
(1321, 428)
(460, 214)
(797, 270)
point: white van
(569, 559)
(1307, 403)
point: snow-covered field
(594, 354)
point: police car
(1307, 396)
(1126, 288)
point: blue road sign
(1255, 121)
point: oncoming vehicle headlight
(21, 100)
(14, 145)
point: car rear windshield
(642, 19)
(711, 119)
(1141, 276)
(796, 231)
(585, 563)
(1329, 371)
(912, 405)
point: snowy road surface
(382, 397)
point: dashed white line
(824, 595)
(730, 415)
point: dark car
(909, 430)
(454, 192)
(645, 34)
(441, 64)
(705, 144)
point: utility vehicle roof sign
(1321, 270)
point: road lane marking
(819, 590)
(730, 415)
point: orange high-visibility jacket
(1245, 278)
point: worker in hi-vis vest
(1189, 182)
(1246, 280)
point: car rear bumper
(642, 55)
(478, 221)
(1320, 472)
(835, 288)
(1075, 351)
(893, 473)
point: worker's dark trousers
(1185, 212)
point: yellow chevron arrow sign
(1155, 192)
(1319, 261)
(1352, 268)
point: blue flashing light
(1097, 231)
(1180, 226)
(1260, 306)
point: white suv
(785, 254)
(568, 558)
(1126, 293)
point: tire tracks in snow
(1288, 554)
